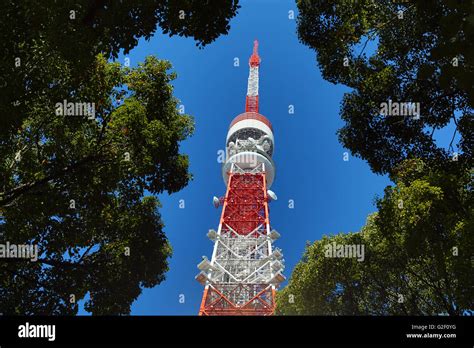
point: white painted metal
(252, 86)
(248, 161)
(243, 259)
(250, 123)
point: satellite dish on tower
(272, 195)
(216, 201)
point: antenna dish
(216, 202)
(272, 195)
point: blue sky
(330, 195)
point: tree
(423, 53)
(34, 35)
(417, 254)
(75, 188)
(80, 187)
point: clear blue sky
(330, 195)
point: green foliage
(418, 250)
(413, 62)
(204, 20)
(78, 187)
(43, 34)
(66, 158)
(418, 246)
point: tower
(245, 269)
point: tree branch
(9, 197)
(454, 134)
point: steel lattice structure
(245, 269)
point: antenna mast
(245, 269)
(251, 101)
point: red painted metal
(251, 116)
(251, 103)
(255, 60)
(245, 212)
(216, 303)
(245, 208)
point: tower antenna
(245, 269)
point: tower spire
(251, 101)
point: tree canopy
(75, 187)
(35, 35)
(418, 246)
(417, 254)
(422, 53)
(82, 187)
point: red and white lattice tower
(245, 269)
